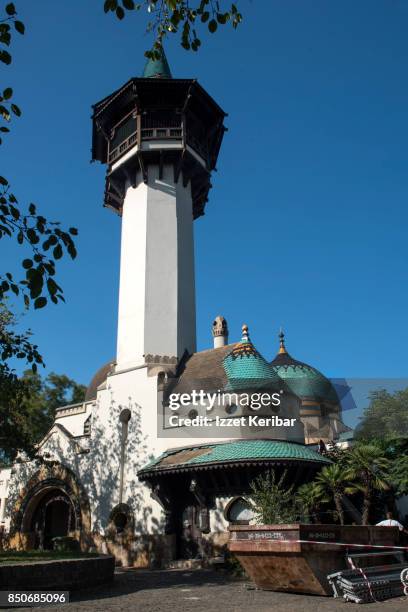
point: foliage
(46, 241)
(386, 416)
(399, 475)
(368, 469)
(334, 479)
(271, 501)
(27, 409)
(181, 17)
(309, 499)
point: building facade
(115, 472)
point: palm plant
(368, 469)
(309, 498)
(335, 480)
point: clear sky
(307, 221)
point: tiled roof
(244, 365)
(157, 68)
(233, 452)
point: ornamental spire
(157, 68)
(245, 333)
(282, 347)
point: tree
(181, 17)
(46, 243)
(29, 414)
(385, 416)
(333, 479)
(368, 470)
(271, 501)
(309, 498)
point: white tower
(160, 139)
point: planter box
(58, 575)
(297, 558)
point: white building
(115, 474)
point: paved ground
(204, 591)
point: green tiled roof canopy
(238, 451)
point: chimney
(220, 332)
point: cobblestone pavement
(203, 591)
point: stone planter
(288, 557)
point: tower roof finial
(282, 347)
(245, 332)
(157, 68)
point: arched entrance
(53, 517)
(53, 503)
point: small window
(120, 521)
(238, 511)
(87, 426)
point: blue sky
(307, 221)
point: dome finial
(245, 333)
(157, 68)
(282, 348)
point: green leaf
(10, 9)
(57, 252)
(16, 110)
(73, 231)
(212, 26)
(7, 93)
(4, 113)
(27, 264)
(52, 287)
(205, 16)
(4, 129)
(5, 57)
(128, 4)
(20, 27)
(40, 302)
(120, 13)
(31, 209)
(32, 236)
(3, 181)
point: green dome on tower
(300, 378)
(157, 68)
(246, 368)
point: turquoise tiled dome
(246, 368)
(300, 378)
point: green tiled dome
(246, 368)
(300, 378)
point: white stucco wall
(5, 476)
(157, 270)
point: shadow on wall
(88, 469)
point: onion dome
(157, 68)
(98, 379)
(246, 368)
(300, 378)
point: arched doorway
(53, 517)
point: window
(238, 511)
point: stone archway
(52, 503)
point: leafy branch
(178, 16)
(40, 270)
